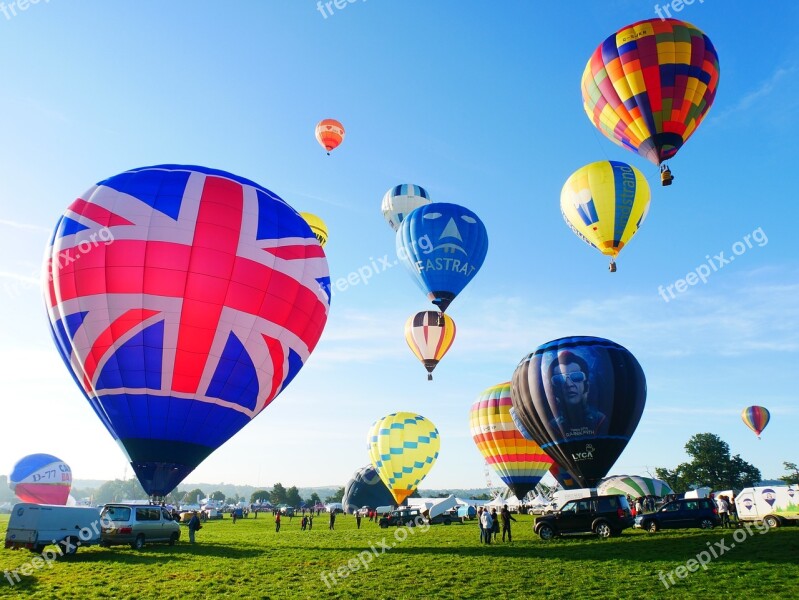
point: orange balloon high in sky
(329, 133)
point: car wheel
(138, 543)
(603, 530)
(771, 521)
(447, 521)
(173, 538)
(546, 532)
(383, 525)
(651, 527)
(706, 524)
(38, 548)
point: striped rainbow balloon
(756, 418)
(519, 462)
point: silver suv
(137, 524)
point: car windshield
(116, 513)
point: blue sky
(479, 103)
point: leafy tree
(293, 496)
(260, 496)
(191, 497)
(711, 466)
(792, 478)
(218, 496)
(118, 490)
(278, 494)
(337, 497)
(315, 499)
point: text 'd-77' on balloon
(204, 301)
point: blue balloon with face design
(443, 246)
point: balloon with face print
(443, 246)
(580, 398)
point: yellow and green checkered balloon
(403, 447)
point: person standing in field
(277, 521)
(358, 519)
(480, 523)
(310, 521)
(506, 519)
(332, 519)
(488, 525)
(194, 525)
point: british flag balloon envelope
(183, 300)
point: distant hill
(86, 487)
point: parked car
(137, 525)
(405, 516)
(686, 512)
(602, 515)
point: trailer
(35, 526)
(775, 505)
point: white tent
(540, 500)
(511, 501)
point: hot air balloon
(366, 489)
(756, 418)
(633, 485)
(329, 133)
(41, 479)
(648, 86)
(443, 246)
(605, 203)
(429, 335)
(182, 300)
(581, 399)
(520, 463)
(563, 477)
(400, 200)
(317, 225)
(403, 447)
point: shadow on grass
(160, 554)
(771, 548)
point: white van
(34, 526)
(775, 505)
(561, 497)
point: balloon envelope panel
(403, 447)
(634, 485)
(756, 418)
(366, 489)
(400, 201)
(605, 203)
(183, 300)
(443, 246)
(41, 479)
(519, 462)
(648, 86)
(581, 399)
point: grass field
(250, 560)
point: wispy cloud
(751, 313)
(23, 226)
(765, 89)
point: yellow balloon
(605, 203)
(317, 226)
(403, 447)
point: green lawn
(250, 560)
